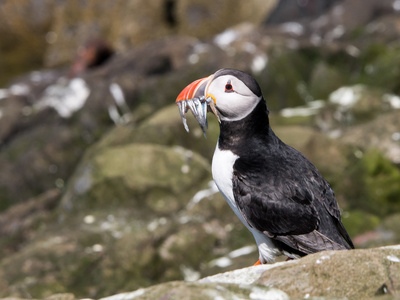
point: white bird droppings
(393, 100)
(347, 96)
(224, 39)
(396, 5)
(185, 169)
(202, 194)
(293, 28)
(393, 258)
(3, 93)
(242, 251)
(126, 296)
(261, 294)
(396, 136)
(65, 98)
(189, 274)
(259, 63)
(221, 262)
(97, 248)
(89, 219)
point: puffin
(277, 193)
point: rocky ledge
(356, 274)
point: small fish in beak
(193, 97)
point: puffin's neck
(242, 133)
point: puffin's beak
(196, 98)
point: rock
(352, 105)
(342, 21)
(329, 274)
(118, 175)
(338, 274)
(20, 222)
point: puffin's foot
(257, 263)
(289, 258)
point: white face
(233, 99)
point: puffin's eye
(228, 87)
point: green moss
(5, 200)
(142, 175)
(381, 67)
(325, 79)
(285, 70)
(372, 184)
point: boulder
(121, 174)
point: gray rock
(119, 175)
(353, 274)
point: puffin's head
(230, 94)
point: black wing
(285, 197)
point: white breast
(222, 171)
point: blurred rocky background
(102, 191)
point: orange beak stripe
(189, 91)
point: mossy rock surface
(151, 174)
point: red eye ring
(228, 87)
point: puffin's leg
(257, 263)
(289, 258)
